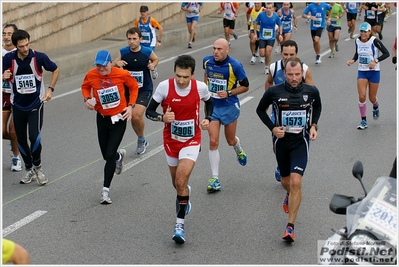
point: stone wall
(55, 25)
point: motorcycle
(370, 236)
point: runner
(369, 51)
(297, 107)
(192, 16)
(252, 13)
(334, 26)
(226, 78)
(103, 90)
(135, 58)
(230, 13)
(288, 21)
(180, 100)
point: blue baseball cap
(103, 57)
(365, 27)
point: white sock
(237, 146)
(106, 189)
(214, 159)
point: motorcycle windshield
(377, 212)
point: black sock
(182, 205)
(291, 224)
(364, 118)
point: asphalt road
(64, 223)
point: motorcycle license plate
(383, 216)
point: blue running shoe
(242, 157)
(277, 174)
(214, 185)
(235, 36)
(376, 114)
(188, 207)
(363, 125)
(178, 234)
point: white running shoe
(16, 164)
(30, 175)
(266, 70)
(262, 60)
(105, 199)
(253, 59)
(119, 162)
(278, 49)
(41, 178)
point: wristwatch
(376, 60)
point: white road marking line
(245, 100)
(23, 222)
(142, 158)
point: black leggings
(33, 121)
(109, 137)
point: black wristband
(209, 118)
(52, 88)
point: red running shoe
(289, 234)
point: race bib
(352, 5)
(25, 84)
(228, 15)
(6, 87)
(109, 97)
(267, 33)
(333, 22)
(182, 130)
(364, 59)
(145, 37)
(293, 120)
(216, 85)
(370, 14)
(138, 75)
(317, 22)
(286, 25)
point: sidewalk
(79, 59)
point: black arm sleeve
(264, 103)
(150, 112)
(209, 107)
(385, 53)
(244, 82)
(316, 108)
(355, 57)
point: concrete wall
(55, 25)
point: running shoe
(289, 234)
(178, 233)
(278, 49)
(257, 53)
(119, 162)
(262, 60)
(351, 36)
(40, 176)
(190, 45)
(253, 59)
(188, 208)
(266, 70)
(285, 204)
(349, 30)
(336, 47)
(141, 146)
(242, 157)
(229, 45)
(318, 59)
(154, 73)
(235, 36)
(16, 164)
(214, 185)
(105, 199)
(331, 55)
(376, 113)
(363, 125)
(277, 174)
(30, 176)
